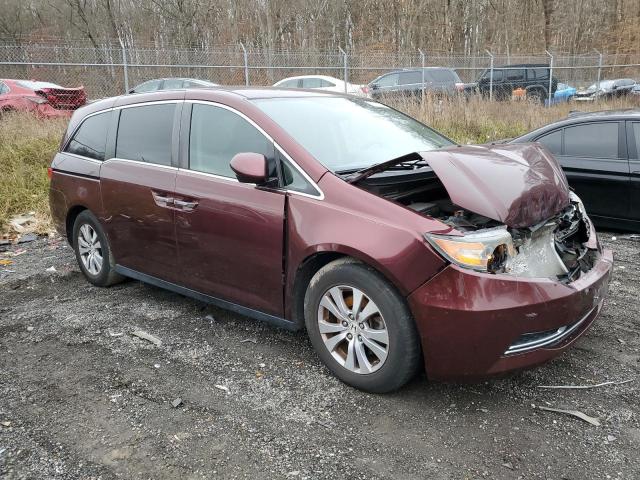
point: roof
(276, 92)
(577, 117)
(324, 77)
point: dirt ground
(80, 397)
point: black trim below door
(249, 312)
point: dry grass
(479, 121)
(27, 146)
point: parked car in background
(564, 93)
(320, 82)
(599, 154)
(42, 98)
(606, 89)
(414, 81)
(467, 260)
(636, 89)
(532, 78)
(171, 84)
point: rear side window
(316, 83)
(515, 75)
(144, 133)
(540, 73)
(172, 83)
(217, 135)
(3, 88)
(592, 140)
(553, 141)
(387, 81)
(442, 76)
(409, 78)
(295, 83)
(150, 86)
(91, 138)
(636, 134)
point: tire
(89, 240)
(355, 361)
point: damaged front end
(556, 248)
(509, 209)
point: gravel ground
(80, 397)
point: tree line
(449, 26)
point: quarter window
(3, 88)
(217, 135)
(91, 138)
(144, 133)
(592, 140)
(553, 141)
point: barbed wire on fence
(110, 70)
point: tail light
(365, 89)
(459, 86)
(49, 172)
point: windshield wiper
(409, 162)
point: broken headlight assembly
(483, 250)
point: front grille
(532, 341)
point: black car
(606, 89)
(599, 153)
(532, 78)
(413, 81)
(171, 84)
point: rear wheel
(92, 251)
(361, 327)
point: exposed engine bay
(554, 248)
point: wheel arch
(70, 219)
(317, 259)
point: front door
(595, 161)
(137, 185)
(230, 235)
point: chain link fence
(110, 70)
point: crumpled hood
(519, 185)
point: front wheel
(93, 252)
(361, 327)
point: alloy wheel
(90, 249)
(353, 329)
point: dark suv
(408, 82)
(532, 78)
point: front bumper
(474, 325)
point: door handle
(185, 204)
(162, 200)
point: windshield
(347, 134)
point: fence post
(125, 68)
(490, 75)
(599, 73)
(422, 62)
(246, 64)
(550, 92)
(345, 62)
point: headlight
(484, 250)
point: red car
(43, 98)
(392, 245)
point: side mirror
(250, 168)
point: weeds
(27, 146)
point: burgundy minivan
(395, 247)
